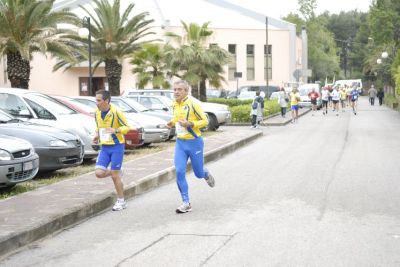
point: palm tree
(193, 61)
(114, 38)
(150, 66)
(29, 26)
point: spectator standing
(188, 118)
(111, 128)
(257, 109)
(380, 96)
(372, 94)
(283, 100)
(313, 95)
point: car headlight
(57, 143)
(162, 126)
(5, 155)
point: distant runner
(354, 99)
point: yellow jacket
(115, 118)
(189, 109)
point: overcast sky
(280, 8)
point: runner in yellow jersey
(188, 119)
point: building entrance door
(98, 83)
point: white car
(18, 161)
(218, 114)
(41, 109)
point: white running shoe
(185, 207)
(119, 205)
(210, 180)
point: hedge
(240, 109)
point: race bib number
(104, 135)
(180, 130)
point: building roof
(228, 14)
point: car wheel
(212, 122)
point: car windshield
(137, 106)
(166, 101)
(304, 91)
(4, 117)
(213, 93)
(51, 104)
(122, 105)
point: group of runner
(333, 96)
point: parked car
(154, 102)
(249, 92)
(135, 107)
(216, 93)
(304, 89)
(155, 130)
(133, 139)
(75, 105)
(42, 109)
(56, 148)
(18, 161)
(218, 114)
(233, 94)
(274, 95)
(163, 92)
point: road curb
(13, 242)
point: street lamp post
(266, 44)
(86, 33)
(379, 61)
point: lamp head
(83, 32)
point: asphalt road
(322, 192)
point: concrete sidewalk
(275, 119)
(278, 120)
(31, 216)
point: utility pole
(266, 51)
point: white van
(350, 83)
(304, 89)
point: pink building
(238, 29)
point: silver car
(160, 99)
(41, 109)
(18, 161)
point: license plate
(27, 166)
(129, 142)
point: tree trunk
(113, 73)
(18, 70)
(195, 91)
(203, 94)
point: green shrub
(229, 102)
(240, 109)
(241, 113)
(391, 101)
